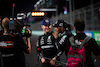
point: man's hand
(43, 60)
(52, 62)
(55, 34)
(28, 33)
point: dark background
(28, 5)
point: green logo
(96, 36)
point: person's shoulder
(40, 36)
(92, 40)
(16, 35)
(68, 35)
(64, 37)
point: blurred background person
(13, 47)
(90, 47)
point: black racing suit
(46, 47)
(62, 42)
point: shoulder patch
(62, 39)
(64, 36)
(49, 37)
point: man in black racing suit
(63, 32)
(46, 45)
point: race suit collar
(48, 32)
(80, 34)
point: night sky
(20, 5)
(28, 5)
(84, 3)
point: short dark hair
(5, 23)
(79, 24)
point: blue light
(65, 12)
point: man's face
(75, 29)
(58, 29)
(46, 28)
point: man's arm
(55, 34)
(98, 57)
(60, 45)
(28, 43)
(39, 51)
(95, 48)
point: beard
(47, 30)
